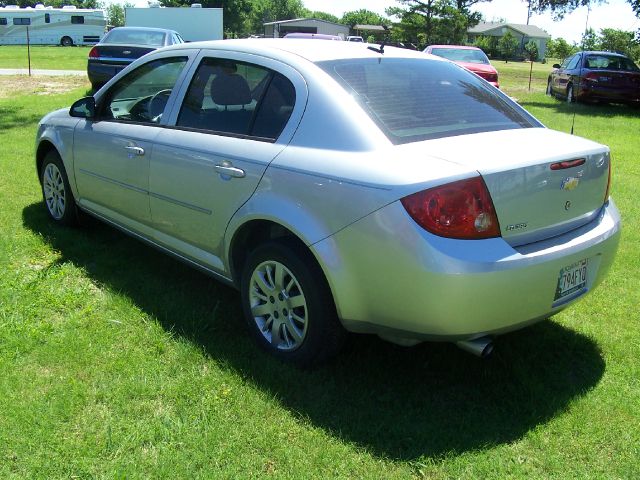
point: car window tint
(223, 96)
(134, 37)
(610, 62)
(142, 95)
(566, 61)
(275, 108)
(461, 55)
(419, 99)
(573, 63)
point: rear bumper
(101, 73)
(598, 92)
(391, 277)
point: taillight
(461, 209)
(93, 53)
(606, 193)
(592, 77)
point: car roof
(302, 48)
(602, 52)
(144, 29)
(457, 47)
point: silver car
(341, 187)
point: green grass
(44, 57)
(116, 361)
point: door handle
(134, 150)
(226, 169)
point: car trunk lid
(118, 54)
(542, 183)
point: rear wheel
(288, 305)
(57, 195)
(570, 95)
(66, 41)
(549, 91)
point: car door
(238, 112)
(564, 74)
(112, 150)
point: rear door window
(237, 98)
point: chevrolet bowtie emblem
(570, 183)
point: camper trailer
(51, 26)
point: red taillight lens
(606, 193)
(93, 53)
(460, 209)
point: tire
(549, 91)
(66, 41)
(570, 95)
(288, 305)
(56, 193)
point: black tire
(56, 192)
(66, 41)
(279, 330)
(570, 95)
(549, 91)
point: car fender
(59, 135)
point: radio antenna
(584, 36)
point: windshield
(414, 99)
(135, 37)
(610, 62)
(461, 55)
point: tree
(507, 45)
(363, 17)
(327, 17)
(589, 40)
(531, 48)
(115, 13)
(263, 11)
(235, 13)
(559, 48)
(618, 41)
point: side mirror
(84, 108)
(556, 65)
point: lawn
(119, 362)
(53, 57)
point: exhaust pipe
(480, 347)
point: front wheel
(549, 91)
(288, 305)
(56, 192)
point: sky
(615, 14)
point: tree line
(417, 22)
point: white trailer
(51, 26)
(193, 24)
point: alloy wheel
(54, 191)
(278, 305)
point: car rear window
(414, 99)
(135, 37)
(610, 62)
(461, 55)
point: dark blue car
(597, 76)
(121, 46)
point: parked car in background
(313, 36)
(339, 188)
(471, 58)
(355, 38)
(597, 76)
(121, 46)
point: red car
(471, 58)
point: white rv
(193, 24)
(51, 26)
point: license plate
(572, 278)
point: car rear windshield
(461, 55)
(413, 99)
(610, 62)
(135, 37)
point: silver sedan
(340, 187)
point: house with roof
(523, 33)
(305, 25)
